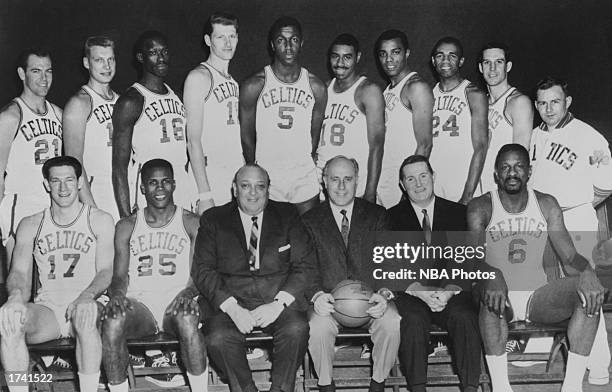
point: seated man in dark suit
(339, 229)
(251, 264)
(441, 301)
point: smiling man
(571, 161)
(149, 123)
(354, 123)
(30, 133)
(88, 126)
(72, 247)
(251, 264)
(460, 129)
(211, 104)
(281, 112)
(408, 111)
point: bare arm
(74, 120)
(418, 97)
(197, 87)
(520, 111)
(479, 108)
(249, 93)
(121, 260)
(370, 100)
(9, 121)
(125, 114)
(104, 229)
(318, 112)
(19, 283)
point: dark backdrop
(570, 39)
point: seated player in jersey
(516, 222)
(281, 112)
(72, 245)
(151, 290)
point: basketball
(351, 303)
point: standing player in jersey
(510, 111)
(211, 104)
(72, 245)
(516, 257)
(354, 123)
(148, 123)
(154, 250)
(571, 161)
(88, 126)
(459, 125)
(408, 107)
(281, 112)
(30, 133)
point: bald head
(250, 187)
(340, 178)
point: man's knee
(217, 338)
(414, 321)
(296, 328)
(85, 318)
(185, 324)
(322, 327)
(113, 328)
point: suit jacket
(448, 216)
(220, 267)
(335, 261)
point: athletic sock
(498, 367)
(89, 382)
(574, 373)
(123, 387)
(198, 383)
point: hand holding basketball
(351, 303)
(324, 304)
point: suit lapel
(236, 224)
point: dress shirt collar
(338, 215)
(430, 211)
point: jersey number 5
(75, 257)
(145, 265)
(285, 114)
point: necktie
(253, 261)
(426, 226)
(344, 229)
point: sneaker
(163, 380)
(597, 377)
(59, 364)
(254, 353)
(366, 353)
(513, 346)
(137, 361)
(439, 349)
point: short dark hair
(222, 18)
(158, 163)
(331, 160)
(39, 51)
(98, 40)
(549, 81)
(284, 21)
(512, 147)
(495, 45)
(148, 36)
(64, 160)
(392, 34)
(448, 40)
(414, 159)
(254, 165)
(345, 39)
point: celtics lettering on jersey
(161, 107)
(161, 252)
(495, 118)
(104, 114)
(65, 254)
(223, 92)
(560, 155)
(445, 111)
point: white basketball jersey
(159, 132)
(283, 120)
(515, 243)
(400, 141)
(345, 131)
(65, 255)
(500, 134)
(38, 138)
(221, 128)
(568, 162)
(159, 258)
